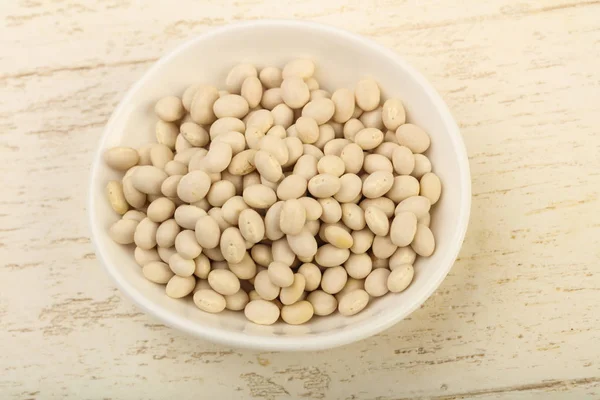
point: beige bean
(294, 92)
(218, 157)
(358, 266)
(403, 187)
(272, 98)
(166, 233)
(210, 301)
(350, 286)
(134, 215)
(383, 247)
(144, 151)
(261, 254)
(264, 287)
(208, 232)
(424, 242)
(422, 166)
(330, 256)
(353, 302)
(306, 167)
(276, 147)
(373, 119)
(169, 108)
(332, 165)
(201, 109)
(298, 313)
(350, 188)
(268, 166)
(334, 147)
(431, 187)
(145, 234)
(232, 245)
(324, 226)
(386, 149)
(377, 221)
(242, 163)
(223, 282)
(326, 134)
(308, 129)
(400, 278)
(323, 303)
(252, 91)
(334, 280)
(262, 312)
(404, 255)
(175, 168)
(292, 217)
(312, 275)
(344, 102)
(121, 158)
(272, 221)
(291, 294)
(148, 179)
(280, 274)
(314, 210)
(367, 94)
(224, 125)
(338, 237)
(376, 282)
(123, 232)
(418, 205)
(369, 138)
(166, 133)
(187, 216)
(246, 269)
(143, 257)
(232, 208)
(301, 67)
(393, 114)
(186, 245)
(319, 94)
(179, 286)
(181, 266)
(235, 140)
(376, 162)
(220, 192)
(283, 252)
(271, 77)
(188, 96)
(332, 211)
(413, 137)
(295, 150)
(251, 225)
(202, 266)
(238, 300)
(377, 184)
(259, 196)
(157, 272)
(116, 198)
(352, 127)
(353, 216)
(304, 244)
(292, 187)
(283, 116)
(353, 157)
(403, 160)
(237, 75)
(193, 186)
(165, 253)
(231, 105)
(161, 209)
(324, 185)
(320, 110)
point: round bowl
(341, 58)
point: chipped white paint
(516, 319)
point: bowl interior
(341, 60)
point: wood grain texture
(517, 318)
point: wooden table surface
(518, 316)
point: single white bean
(312, 275)
(262, 312)
(210, 301)
(298, 313)
(400, 278)
(232, 245)
(123, 232)
(358, 266)
(353, 302)
(334, 280)
(157, 272)
(193, 186)
(179, 286)
(181, 266)
(377, 221)
(223, 281)
(264, 287)
(291, 294)
(166, 233)
(376, 282)
(251, 225)
(121, 158)
(424, 242)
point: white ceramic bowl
(341, 58)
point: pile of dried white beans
(276, 197)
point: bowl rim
(293, 343)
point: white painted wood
(516, 319)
